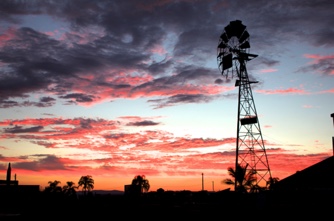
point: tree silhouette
(160, 190)
(69, 189)
(53, 187)
(87, 183)
(243, 179)
(142, 182)
(271, 182)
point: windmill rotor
(233, 43)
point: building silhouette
(8, 181)
(14, 196)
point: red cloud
(102, 147)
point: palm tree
(141, 181)
(53, 187)
(69, 189)
(271, 182)
(243, 180)
(87, 183)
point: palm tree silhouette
(69, 189)
(243, 179)
(141, 181)
(53, 187)
(87, 183)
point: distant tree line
(70, 189)
(139, 185)
(244, 181)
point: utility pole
(202, 182)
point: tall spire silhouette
(9, 171)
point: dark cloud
(8, 104)
(104, 38)
(47, 162)
(324, 66)
(9, 9)
(180, 99)
(187, 75)
(47, 99)
(115, 136)
(87, 122)
(160, 68)
(30, 64)
(143, 123)
(20, 129)
(46, 102)
(79, 97)
(43, 103)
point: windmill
(232, 56)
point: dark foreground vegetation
(168, 205)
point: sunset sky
(116, 89)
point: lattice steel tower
(232, 56)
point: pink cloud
(307, 106)
(321, 64)
(8, 34)
(268, 70)
(331, 91)
(283, 91)
(158, 49)
(317, 57)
